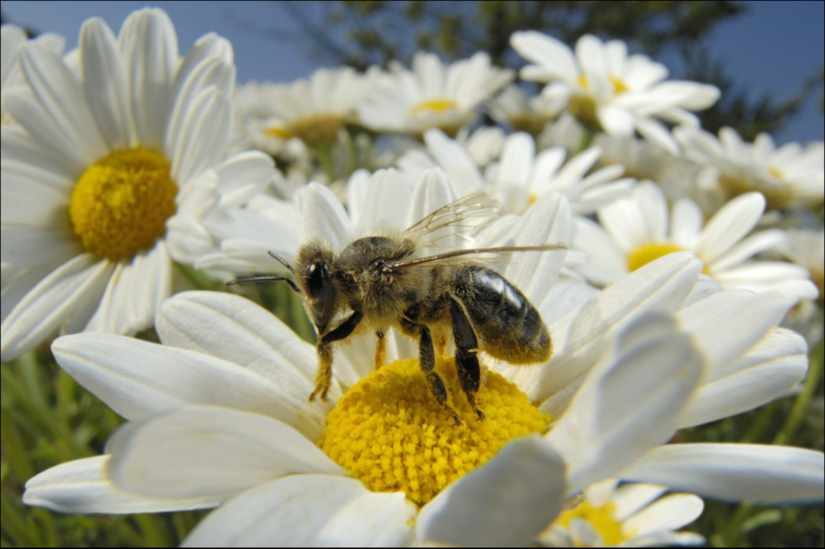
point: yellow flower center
(775, 173)
(618, 85)
(281, 132)
(436, 106)
(389, 432)
(318, 129)
(649, 252)
(600, 519)
(120, 204)
(583, 108)
(532, 124)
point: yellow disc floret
(649, 252)
(120, 204)
(436, 106)
(600, 519)
(390, 433)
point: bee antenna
(281, 260)
(265, 278)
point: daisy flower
(629, 515)
(432, 95)
(789, 176)
(228, 425)
(608, 90)
(640, 228)
(807, 248)
(522, 113)
(311, 110)
(521, 176)
(10, 73)
(108, 174)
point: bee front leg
(323, 378)
(466, 361)
(426, 353)
(380, 349)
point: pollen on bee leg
(390, 432)
(380, 349)
(323, 378)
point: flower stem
(803, 401)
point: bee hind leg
(466, 361)
(323, 379)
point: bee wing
(456, 257)
(457, 220)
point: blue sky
(771, 49)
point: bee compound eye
(315, 279)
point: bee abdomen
(504, 320)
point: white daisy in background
(640, 228)
(432, 95)
(219, 414)
(789, 176)
(607, 89)
(630, 515)
(641, 159)
(521, 176)
(310, 110)
(11, 74)
(108, 174)
(524, 114)
(806, 247)
(565, 132)
(483, 145)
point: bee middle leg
(466, 361)
(426, 356)
(380, 349)
(323, 378)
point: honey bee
(383, 281)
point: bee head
(314, 274)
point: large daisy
(110, 173)
(789, 176)
(432, 95)
(641, 228)
(219, 415)
(608, 90)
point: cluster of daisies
(688, 290)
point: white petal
(686, 223)
(654, 208)
(386, 203)
(656, 132)
(517, 159)
(553, 56)
(727, 324)
(104, 82)
(452, 157)
(506, 502)
(669, 513)
(583, 335)
(305, 511)
(616, 121)
(238, 330)
(548, 221)
(730, 225)
(357, 191)
(75, 285)
(749, 247)
(735, 472)
(207, 451)
(324, 217)
(137, 379)
(619, 414)
(83, 486)
(630, 498)
(149, 45)
(59, 94)
(606, 262)
(203, 137)
(24, 156)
